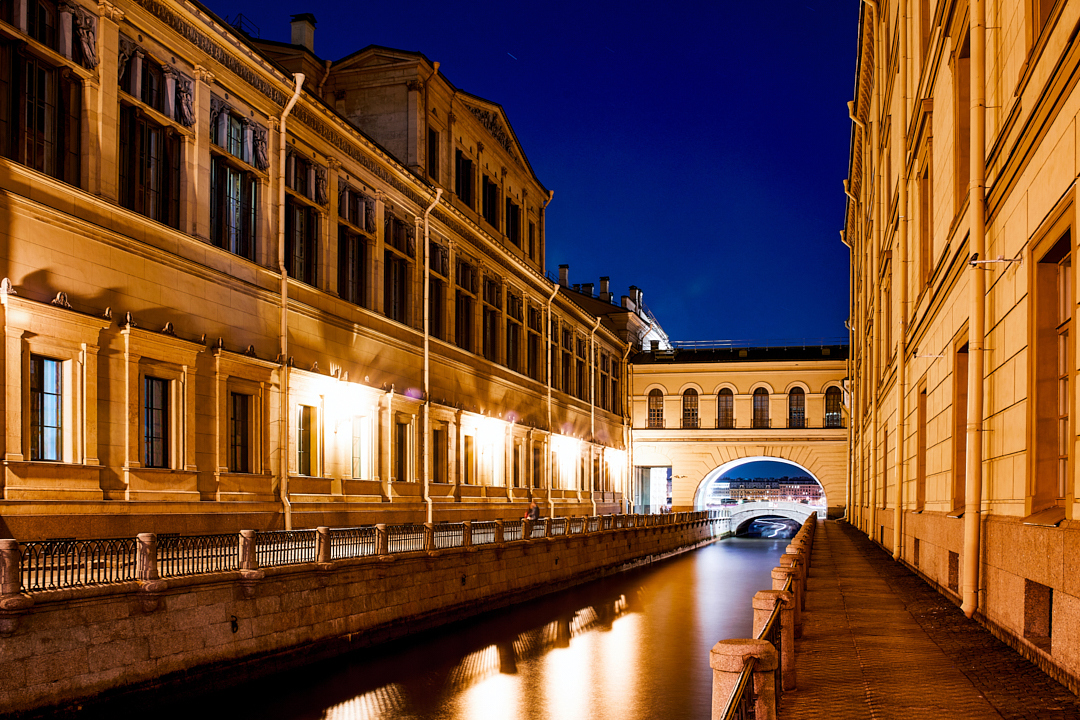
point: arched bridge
(742, 514)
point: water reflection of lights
(497, 698)
(475, 667)
(372, 705)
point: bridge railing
(45, 565)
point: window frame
(655, 409)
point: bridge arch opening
(760, 479)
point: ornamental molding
(493, 124)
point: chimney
(303, 31)
(605, 289)
(587, 288)
(564, 275)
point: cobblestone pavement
(878, 642)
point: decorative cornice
(108, 10)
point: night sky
(696, 150)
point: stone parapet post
(795, 561)
(13, 603)
(526, 529)
(500, 532)
(250, 574)
(780, 577)
(322, 545)
(429, 536)
(548, 522)
(466, 533)
(727, 659)
(146, 571)
(764, 603)
(382, 542)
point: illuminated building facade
(223, 310)
(962, 219)
(698, 412)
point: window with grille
(305, 439)
(833, 411)
(725, 409)
(397, 268)
(656, 409)
(301, 241)
(155, 422)
(761, 408)
(796, 408)
(491, 312)
(46, 409)
(353, 271)
(239, 432)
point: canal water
(630, 647)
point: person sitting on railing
(534, 511)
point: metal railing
(67, 563)
(740, 705)
(354, 542)
(448, 535)
(404, 538)
(285, 547)
(180, 555)
(771, 632)
(483, 531)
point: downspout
(325, 75)
(977, 208)
(901, 271)
(427, 350)
(592, 407)
(283, 440)
(551, 433)
(873, 310)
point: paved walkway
(878, 642)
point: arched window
(725, 409)
(833, 416)
(761, 408)
(690, 409)
(656, 409)
(796, 408)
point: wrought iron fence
(558, 526)
(197, 554)
(594, 524)
(404, 538)
(539, 529)
(575, 525)
(512, 530)
(607, 522)
(740, 705)
(483, 531)
(771, 632)
(67, 563)
(448, 535)
(353, 542)
(285, 547)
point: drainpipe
(283, 441)
(901, 271)
(547, 336)
(592, 406)
(325, 75)
(427, 350)
(873, 309)
(977, 209)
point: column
(376, 283)
(386, 428)
(197, 185)
(329, 265)
(14, 394)
(101, 108)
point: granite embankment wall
(210, 629)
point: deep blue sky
(696, 150)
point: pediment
(493, 119)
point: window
(580, 381)
(616, 394)
(513, 222)
(464, 299)
(149, 167)
(468, 460)
(492, 305)
(1054, 299)
(362, 455)
(439, 264)
(535, 349)
(514, 318)
(605, 380)
(40, 112)
(397, 268)
(761, 408)
(301, 241)
(926, 222)
(796, 408)
(962, 125)
(234, 189)
(46, 409)
(401, 452)
(959, 429)
(833, 409)
(690, 408)
(920, 451)
(489, 196)
(305, 439)
(463, 178)
(656, 408)
(433, 154)
(567, 365)
(725, 409)
(439, 465)
(532, 240)
(155, 422)
(239, 432)
(352, 266)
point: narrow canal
(630, 647)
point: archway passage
(768, 526)
(766, 481)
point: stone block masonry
(213, 629)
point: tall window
(352, 266)
(464, 179)
(725, 409)
(149, 167)
(535, 357)
(401, 452)
(926, 223)
(439, 264)
(305, 439)
(962, 99)
(234, 189)
(605, 380)
(920, 451)
(489, 198)
(464, 302)
(796, 408)
(1054, 299)
(513, 222)
(959, 429)
(239, 432)
(834, 417)
(690, 408)
(156, 422)
(492, 305)
(433, 154)
(761, 408)
(514, 318)
(468, 460)
(656, 409)
(46, 409)
(397, 268)
(362, 456)
(567, 365)
(301, 241)
(581, 382)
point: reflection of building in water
(371, 705)
(789, 489)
